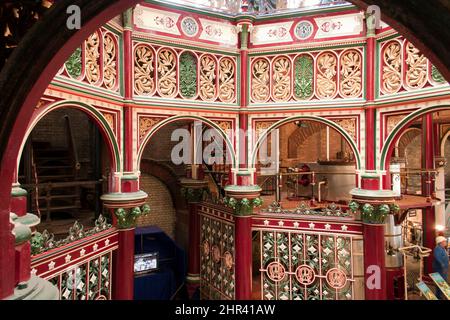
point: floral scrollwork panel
(92, 51)
(304, 77)
(188, 75)
(416, 73)
(74, 64)
(392, 66)
(351, 74)
(208, 88)
(109, 119)
(167, 73)
(109, 62)
(349, 125)
(260, 80)
(226, 80)
(281, 79)
(146, 124)
(144, 82)
(326, 75)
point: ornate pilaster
(373, 209)
(374, 206)
(194, 191)
(242, 199)
(126, 207)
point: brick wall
(162, 213)
(52, 128)
(308, 144)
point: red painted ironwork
(82, 269)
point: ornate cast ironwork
(217, 259)
(126, 217)
(374, 213)
(194, 194)
(41, 242)
(332, 210)
(303, 266)
(243, 206)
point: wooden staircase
(56, 172)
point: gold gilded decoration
(392, 122)
(416, 67)
(92, 49)
(305, 275)
(349, 125)
(144, 83)
(351, 75)
(392, 59)
(226, 80)
(224, 125)
(281, 79)
(262, 126)
(228, 257)
(207, 78)
(326, 75)
(205, 248)
(336, 278)
(109, 62)
(167, 73)
(110, 119)
(276, 271)
(260, 81)
(216, 255)
(146, 124)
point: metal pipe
(323, 182)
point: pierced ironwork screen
(82, 269)
(306, 266)
(217, 258)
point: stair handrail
(71, 143)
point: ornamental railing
(80, 265)
(331, 210)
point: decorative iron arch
(325, 121)
(396, 133)
(184, 117)
(94, 115)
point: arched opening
(417, 168)
(65, 167)
(168, 156)
(305, 160)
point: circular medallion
(101, 297)
(336, 278)
(228, 257)
(205, 248)
(304, 30)
(275, 271)
(305, 275)
(216, 254)
(189, 26)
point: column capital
(374, 205)
(242, 199)
(127, 207)
(194, 190)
